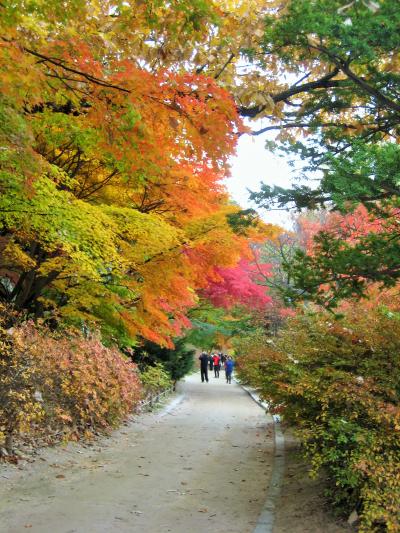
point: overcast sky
(252, 165)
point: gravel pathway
(202, 464)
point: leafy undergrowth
(57, 386)
(337, 381)
(155, 380)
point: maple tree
(112, 166)
(238, 285)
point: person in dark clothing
(204, 367)
(223, 359)
(211, 361)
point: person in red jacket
(217, 365)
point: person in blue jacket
(229, 364)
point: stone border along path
(266, 519)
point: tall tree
(112, 164)
(341, 116)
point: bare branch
(325, 82)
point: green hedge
(338, 382)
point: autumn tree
(340, 117)
(112, 209)
(342, 58)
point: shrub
(177, 361)
(155, 379)
(19, 408)
(338, 381)
(62, 383)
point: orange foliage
(66, 385)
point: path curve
(203, 464)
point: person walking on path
(229, 368)
(204, 366)
(217, 365)
(211, 361)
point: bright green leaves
(349, 31)
(76, 242)
(363, 174)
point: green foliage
(155, 379)
(338, 382)
(213, 327)
(363, 174)
(177, 361)
(301, 196)
(242, 220)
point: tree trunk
(9, 442)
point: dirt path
(202, 465)
(301, 507)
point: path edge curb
(266, 519)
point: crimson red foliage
(238, 285)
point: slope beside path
(201, 465)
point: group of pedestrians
(214, 361)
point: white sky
(254, 164)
